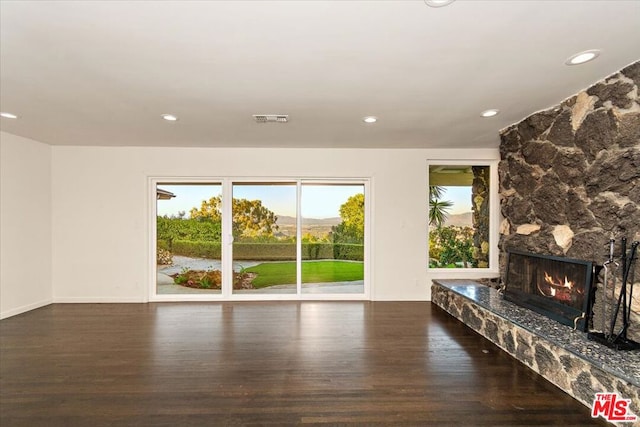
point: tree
(168, 230)
(250, 218)
(451, 247)
(351, 229)
(436, 192)
(438, 209)
(210, 210)
(177, 228)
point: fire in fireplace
(554, 286)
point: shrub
(197, 249)
(170, 230)
(317, 250)
(162, 244)
(451, 247)
(164, 257)
(348, 251)
(209, 279)
(270, 251)
(264, 251)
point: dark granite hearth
(565, 357)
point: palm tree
(436, 192)
(438, 208)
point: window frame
(494, 218)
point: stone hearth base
(565, 357)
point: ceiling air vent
(271, 118)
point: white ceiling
(102, 72)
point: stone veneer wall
(480, 215)
(570, 176)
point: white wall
(25, 225)
(101, 196)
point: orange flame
(567, 283)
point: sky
(318, 201)
(461, 198)
(187, 197)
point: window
(255, 239)
(459, 216)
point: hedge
(270, 251)
(317, 251)
(195, 249)
(348, 251)
(264, 251)
(162, 244)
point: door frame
(227, 294)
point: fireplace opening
(553, 286)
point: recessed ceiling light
(438, 3)
(169, 117)
(8, 115)
(370, 119)
(582, 57)
(490, 113)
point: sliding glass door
(264, 238)
(189, 238)
(333, 220)
(260, 239)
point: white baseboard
(24, 308)
(97, 300)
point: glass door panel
(188, 238)
(264, 238)
(333, 218)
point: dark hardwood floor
(267, 363)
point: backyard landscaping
(190, 248)
(281, 273)
(274, 273)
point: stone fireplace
(569, 182)
(570, 178)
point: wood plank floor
(265, 363)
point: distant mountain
(460, 220)
(290, 220)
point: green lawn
(284, 273)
